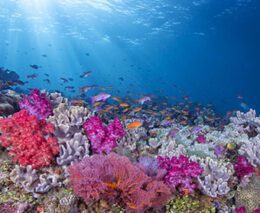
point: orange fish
(124, 104)
(134, 125)
(116, 99)
(137, 109)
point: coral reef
(37, 104)
(58, 156)
(29, 140)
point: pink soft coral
(37, 104)
(103, 138)
(180, 172)
(28, 139)
(243, 167)
(116, 179)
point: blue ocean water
(208, 50)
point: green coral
(188, 204)
(14, 196)
(115, 208)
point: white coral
(215, 177)
(251, 149)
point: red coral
(116, 179)
(28, 139)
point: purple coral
(201, 138)
(114, 178)
(37, 104)
(243, 167)
(180, 172)
(103, 138)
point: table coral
(29, 140)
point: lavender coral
(181, 172)
(68, 121)
(116, 179)
(37, 104)
(248, 122)
(103, 138)
(215, 177)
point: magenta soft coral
(243, 167)
(29, 140)
(103, 138)
(37, 104)
(116, 179)
(181, 172)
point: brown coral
(249, 196)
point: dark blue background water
(207, 49)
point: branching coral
(181, 172)
(116, 179)
(103, 138)
(37, 104)
(28, 139)
(248, 122)
(251, 149)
